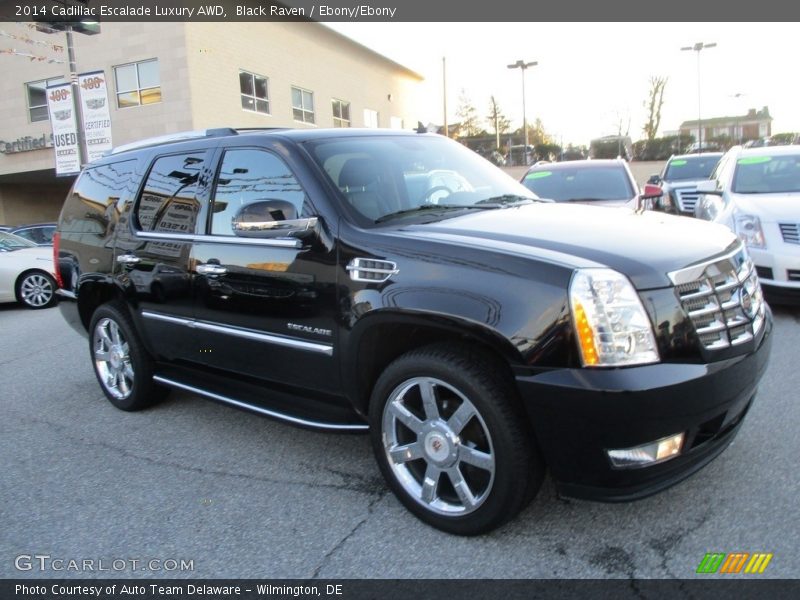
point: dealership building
(168, 77)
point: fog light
(649, 454)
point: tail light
(56, 244)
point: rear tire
(452, 440)
(122, 366)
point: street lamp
(521, 64)
(697, 48)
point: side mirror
(269, 219)
(654, 179)
(709, 186)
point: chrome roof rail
(176, 137)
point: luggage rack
(189, 135)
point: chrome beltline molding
(217, 239)
(319, 348)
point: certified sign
(65, 132)
(96, 114)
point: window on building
(396, 123)
(37, 98)
(255, 92)
(303, 105)
(341, 113)
(138, 83)
(371, 118)
(255, 176)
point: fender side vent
(370, 270)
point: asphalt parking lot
(242, 496)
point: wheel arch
(380, 338)
(94, 291)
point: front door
(265, 308)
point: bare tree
(468, 116)
(497, 120)
(653, 104)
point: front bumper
(778, 266)
(579, 414)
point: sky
(593, 76)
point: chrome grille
(790, 232)
(687, 200)
(723, 299)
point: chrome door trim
(258, 409)
(218, 239)
(326, 349)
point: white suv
(756, 192)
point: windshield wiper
(505, 200)
(430, 207)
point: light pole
(522, 65)
(697, 48)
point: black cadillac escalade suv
(398, 283)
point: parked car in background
(26, 272)
(698, 147)
(756, 192)
(40, 234)
(611, 146)
(597, 182)
(679, 179)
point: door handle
(211, 269)
(128, 259)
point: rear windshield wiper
(431, 207)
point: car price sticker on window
(65, 130)
(96, 115)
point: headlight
(611, 324)
(748, 228)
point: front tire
(122, 366)
(36, 290)
(452, 441)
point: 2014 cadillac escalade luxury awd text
(397, 283)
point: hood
(770, 208)
(645, 246)
(678, 184)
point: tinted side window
(247, 176)
(168, 203)
(98, 196)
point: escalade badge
(307, 329)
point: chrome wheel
(36, 290)
(112, 359)
(438, 446)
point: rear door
(153, 257)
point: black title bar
(404, 11)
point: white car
(26, 272)
(756, 193)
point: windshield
(767, 174)
(9, 242)
(428, 177)
(694, 167)
(580, 183)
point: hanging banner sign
(96, 114)
(65, 130)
